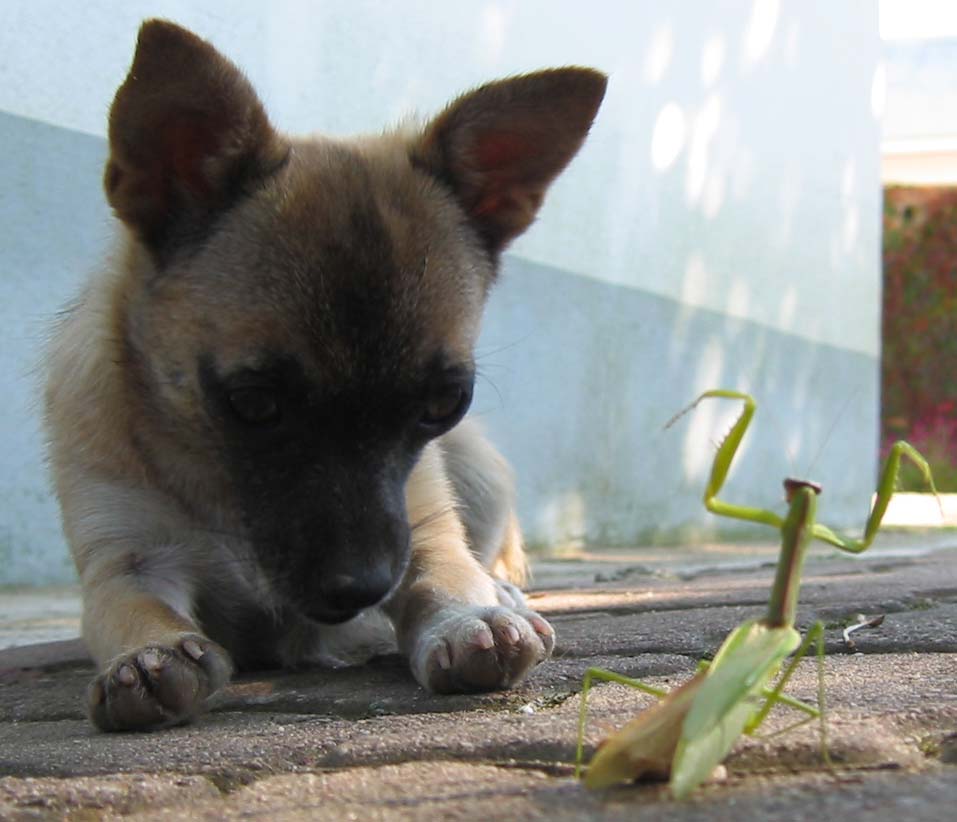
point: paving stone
(122, 794)
(457, 791)
(367, 743)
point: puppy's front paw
(472, 648)
(158, 686)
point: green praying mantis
(691, 729)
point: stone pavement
(368, 744)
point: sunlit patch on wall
(695, 285)
(760, 29)
(739, 298)
(712, 60)
(879, 91)
(713, 195)
(852, 219)
(852, 224)
(787, 307)
(659, 55)
(563, 519)
(703, 130)
(668, 137)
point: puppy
(254, 411)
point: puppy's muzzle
(341, 596)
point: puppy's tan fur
(250, 408)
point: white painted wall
(733, 169)
(721, 118)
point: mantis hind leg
(815, 635)
(604, 676)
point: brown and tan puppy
(252, 410)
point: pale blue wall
(54, 227)
(721, 227)
(578, 377)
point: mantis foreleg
(722, 461)
(885, 490)
(729, 447)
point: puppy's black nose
(345, 593)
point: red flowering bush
(919, 365)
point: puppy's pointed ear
(499, 147)
(187, 132)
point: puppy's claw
(192, 649)
(442, 657)
(150, 660)
(544, 631)
(483, 638)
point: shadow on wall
(580, 407)
(740, 249)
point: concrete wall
(719, 228)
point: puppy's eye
(445, 407)
(256, 406)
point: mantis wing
(725, 701)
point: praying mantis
(690, 731)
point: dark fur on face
(357, 354)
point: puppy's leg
(156, 667)
(448, 611)
(484, 487)
(162, 669)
